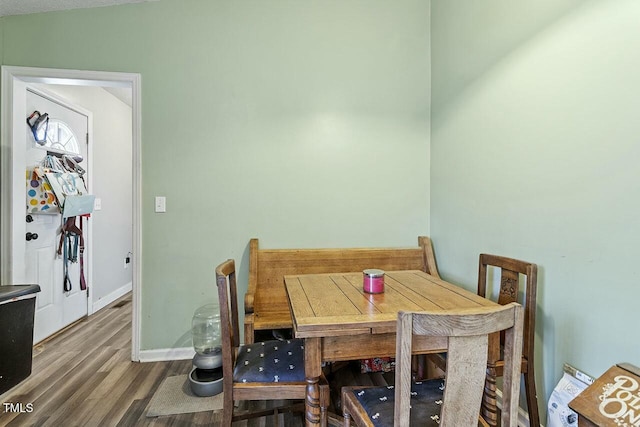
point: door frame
(15, 78)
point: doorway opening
(15, 81)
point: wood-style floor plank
(84, 377)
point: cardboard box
(612, 400)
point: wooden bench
(265, 304)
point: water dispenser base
(205, 378)
(206, 382)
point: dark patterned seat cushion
(426, 401)
(270, 361)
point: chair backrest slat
(465, 382)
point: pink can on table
(373, 281)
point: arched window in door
(61, 138)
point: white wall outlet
(161, 204)
(97, 204)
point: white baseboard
(167, 354)
(108, 299)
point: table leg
(490, 399)
(313, 371)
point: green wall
(305, 124)
(535, 156)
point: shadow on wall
(185, 340)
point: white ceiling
(22, 7)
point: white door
(55, 307)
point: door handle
(31, 236)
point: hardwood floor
(84, 377)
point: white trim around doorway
(12, 75)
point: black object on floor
(17, 309)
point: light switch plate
(161, 204)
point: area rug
(174, 396)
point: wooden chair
(510, 272)
(432, 402)
(269, 370)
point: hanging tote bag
(40, 196)
(71, 193)
(78, 205)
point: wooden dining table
(339, 321)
